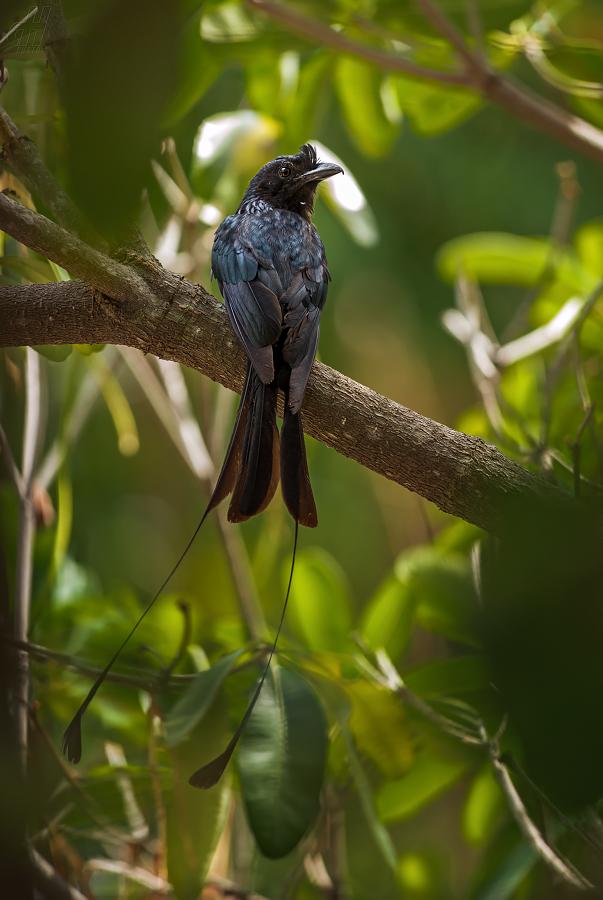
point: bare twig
(11, 466)
(568, 873)
(32, 12)
(27, 523)
(475, 26)
(444, 25)
(49, 882)
(576, 449)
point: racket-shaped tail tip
(71, 741)
(209, 775)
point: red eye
(284, 171)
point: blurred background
(171, 109)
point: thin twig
(526, 826)
(447, 29)
(25, 544)
(321, 34)
(11, 465)
(475, 26)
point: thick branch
(461, 474)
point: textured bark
(176, 319)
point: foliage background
(127, 505)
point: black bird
(271, 268)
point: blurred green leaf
(117, 404)
(263, 82)
(281, 762)
(483, 807)
(319, 602)
(509, 875)
(197, 699)
(38, 271)
(429, 776)
(358, 87)
(379, 832)
(496, 257)
(388, 618)
(449, 676)
(443, 585)
(54, 352)
(380, 728)
(589, 245)
(194, 819)
(302, 106)
(122, 80)
(199, 64)
(432, 108)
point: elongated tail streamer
(210, 774)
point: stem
(32, 433)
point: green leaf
(319, 602)
(358, 87)
(428, 777)
(449, 676)
(38, 271)
(54, 352)
(380, 834)
(389, 617)
(197, 699)
(496, 257)
(200, 63)
(281, 762)
(263, 81)
(380, 729)
(443, 585)
(510, 875)
(433, 109)
(483, 807)
(195, 819)
(589, 245)
(301, 109)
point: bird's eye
(284, 171)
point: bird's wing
(251, 287)
(302, 305)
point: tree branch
(176, 319)
(515, 98)
(321, 34)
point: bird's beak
(320, 172)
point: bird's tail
(295, 478)
(251, 468)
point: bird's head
(290, 182)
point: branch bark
(179, 320)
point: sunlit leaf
(263, 82)
(197, 699)
(281, 761)
(54, 352)
(380, 728)
(432, 108)
(319, 602)
(589, 245)
(358, 88)
(301, 109)
(389, 617)
(428, 777)
(496, 257)
(483, 807)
